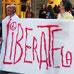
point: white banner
(38, 46)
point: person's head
(11, 9)
(43, 6)
(65, 5)
(49, 8)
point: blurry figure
(43, 12)
(29, 15)
(73, 8)
(10, 12)
(72, 12)
(65, 6)
(50, 12)
(56, 9)
(29, 12)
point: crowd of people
(62, 11)
(49, 12)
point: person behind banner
(43, 12)
(29, 12)
(50, 12)
(10, 14)
(65, 6)
(12, 11)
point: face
(61, 6)
(43, 6)
(10, 10)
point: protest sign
(38, 46)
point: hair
(11, 5)
(50, 9)
(7, 6)
(14, 6)
(67, 4)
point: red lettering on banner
(49, 58)
(13, 27)
(26, 46)
(34, 49)
(46, 60)
(70, 60)
(49, 28)
(4, 62)
(18, 43)
(54, 49)
(11, 45)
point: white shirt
(5, 22)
